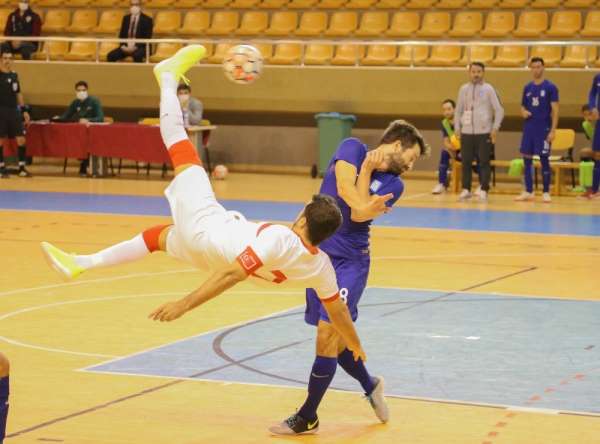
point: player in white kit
(209, 237)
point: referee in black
(12, 112)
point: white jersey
(207, 236)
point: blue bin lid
(336, 116)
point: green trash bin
(333, 128)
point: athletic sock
(546, 173)
(121, 253)
(596, 176)
(4, 392)
(528, 174)
(443, 169)
(1, 156)
(357, 370)
(21, 155)
(321, 376)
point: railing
(304, 42)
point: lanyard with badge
(467, 116)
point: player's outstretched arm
(340, 318)
(216, 284)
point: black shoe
(23, 172)
(3, 173)
(295, 425)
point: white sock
(127, 251)
(172, 129)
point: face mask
(135, 10)
(82, 95)
(183, 98)
(23, 6)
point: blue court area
(475, 348)
(440, 218)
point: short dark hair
(536, 60)
(81, 83)
(407, 134)
(5, 49)
(323, 218)
(184, 87)
(480, 64)
(450, 101)
(585, 108)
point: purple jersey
(352, 238)
(537, 100)
(594, 96)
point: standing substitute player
(539, 108)
(11, 119)
(594, 106)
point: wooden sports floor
(51, 330)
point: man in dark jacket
(135, 25)
(23, 22)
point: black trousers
(118, 54)
(472, 146)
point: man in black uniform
(12, 112)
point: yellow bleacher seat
(419, 4)
(82, 51)
(167, 22)
(76, 3)
(435, 24)
(442, 55)
(578, 56)
(390, 4)
(551, 54)
(498, 24)
(56, 20)
(342, 24)
(105, 48)
(158, 4)
(282, 23)
(265, 49)
(244, 4)
(272, 4)
(287, 54)
(404, 24)
(302, 4)
(451, 4)
(360, 4)
(164, 51)
(579, 4)
(312, 23)
(110, 21)
(466, 24)
(223, 23)
(531, 24)
(220, 51)
(565, 24)
(4, 13)
(373, 23)
(481, 4)
(195, 23)
(318, 54)
(187, 4)
(411, 55)
(513, 4)
(48, 3)
(105, 3)
(508, 56)
(331, 4)
(55, 51)
(84, 20)
(215, 4)
(348, 54)
(545, 4)
(592, 25)
(379, 55)
(477, 53)
(253, 23)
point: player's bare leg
(4, 392)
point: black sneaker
(3, 173)
(295, 425)
(23, 172)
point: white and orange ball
(220, 172)
(243, 64)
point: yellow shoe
(180, 62)
(63, 263)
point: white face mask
(135, 10)
(184, 98)
(82, 95)
(23, 6)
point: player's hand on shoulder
(168, 311)
(372, 161)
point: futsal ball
(243, 64)
(455, 141)
(220, 172)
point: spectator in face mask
(25, 23)
(135, 25)
(191, 107)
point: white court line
(469, 255)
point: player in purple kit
(594, 105)
(539, 108)
(355, 177)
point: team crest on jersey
(528, 94)
(375, 185)
(543, 93)
(249, 260)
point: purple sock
(596, 176)
(321, 376)
(528, 174)
(443, 169)
(357, 370)
(546, 173)
(3, 406)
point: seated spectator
(588, 126)
(190, 106)
(134, 26)
(83, 109)
(23, 22)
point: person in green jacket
(84, 109)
